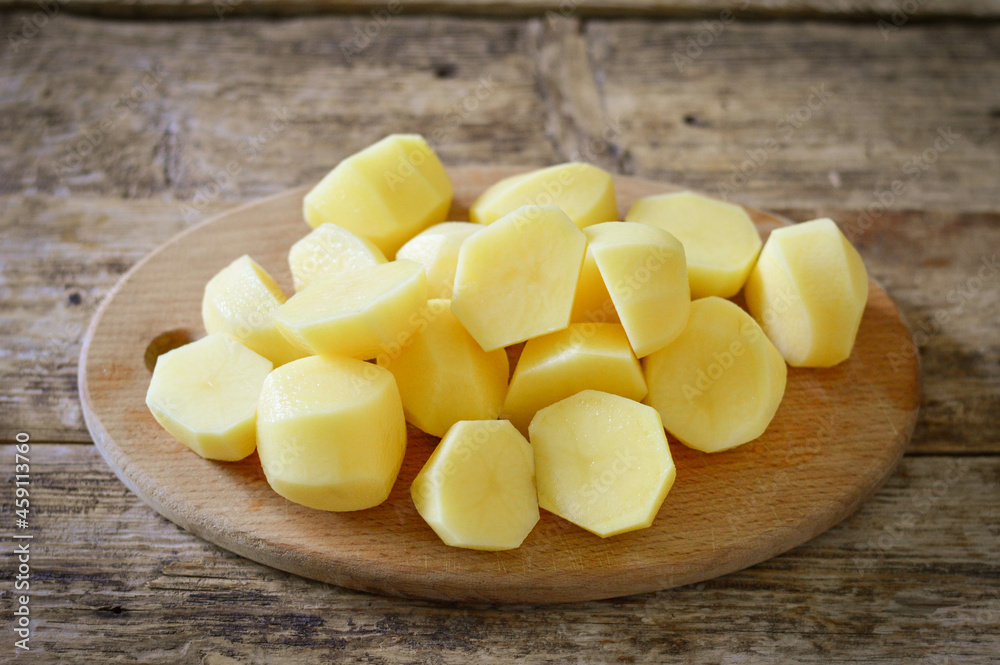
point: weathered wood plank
(913, 577)
(808, 114)
(756, 9)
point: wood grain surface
(911, 578)
(836, 437)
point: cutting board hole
(167, 341)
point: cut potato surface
(443, 375)
(360, 314)
(719, 384)
(808, 292)
(328, 250)
(205, 394)
(583, 191)
(388, 192)
(720, 240)
(602, 462)
(436, 249)
(585, 356)
(330, 433)
(477, 490)
(646, 275)
(592, 302)
(516, 278)
(240, 301)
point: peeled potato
(720, 240)
(436, 249)
(330, 433)
(205, 394)
(359, 314)
(719, 384)
(583, 191)
(477, 490)
(443, 375)
(516, 278)
(585, 356)
(592, 302)
(328, 250)
(388, 192)
(602, 462)
(240, 301)
(646, 275)
(808, 292)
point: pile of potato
(402, 316)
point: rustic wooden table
(116, 134)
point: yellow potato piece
(328, 250)
(205, 394)
(720, 240)
(602, 462)
(808, 292)
(583, 191)
(585, 356)
(592, 302)
(443, 375)
(477, 490)
(436, 249)
(359, 314)
(241, 300)
(646, 275)
(516, 278)
(388, 192)
(719, 384)
(330, 433)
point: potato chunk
(602, 462)
(592, 302)
(328, 250)
(436, 249)
(443, 375)
(583, 191)
(240, 301)
(719, 384)
(585, 356)
(477, 490)
(388, 192)
(808, 292)
(516, 278)
(720, 240)
(330, 433)
(644, 270)
(205, 394)
(358, 314)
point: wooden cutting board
(835, 439)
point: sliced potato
(443, 375)
(516, 278)
(205, 394)
(808, 292)
(330, 249)
(585, 356)
(602, 462)
(436, 249)
(477, 490)
(719, 384)
(583, 191)
(330, 433)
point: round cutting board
(835, 439)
